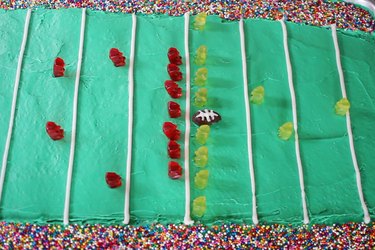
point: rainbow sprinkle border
(31, 236)
(312, 12)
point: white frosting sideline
(349, 126)
(294, 107)
(130, 120)
(187, 218)
(14, 101)
(248, 121)
(74, 120)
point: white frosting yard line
(349, 126)
(130, 120)
(294, 107)
(74, 120)
(248, 122)
(14, 100)
(187, 218)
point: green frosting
(34, 188)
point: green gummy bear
(200, 57)
(202, 134)
(201, 179)
(201, 157)
(342, 106)
(257, 95)
(286, 131)
(199, 206)
(200, 98)
(200, 21)
(201, 77)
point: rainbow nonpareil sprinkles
(229, 236)
(312, 12)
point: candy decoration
(113, 180)
(174, 56)
(174, 170)
(200, 98)
(54, 131)
(199, 206)
(174, 109)
(201, 55)
(201, 157)
(286, 131)
(206, 116)
(200, 21)
(201, 77)
(342, 107)
(173, 89)
(201, 179)
(171, 131)
(174, 150)
(202, 134)
(59, 67)
(117, 57)
(257, 95)
(174, 72)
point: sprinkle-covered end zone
(30, 236)
(312, 12)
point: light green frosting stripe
(154, 196)
(10, 42)
(357, 55)
(36, 173)
(328, 168)
(101, 142)
(276, 173)
(228, 192)
(34, 188)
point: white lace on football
(207, 115)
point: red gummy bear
(174, 72)
(54, 131)
(174, 109)
(173, 89)
(113, 180)
(172, 67)
(174, 56)
(58, 67)
(171, 131)
(174, 170)
(117, 58)
(174, 150)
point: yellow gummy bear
(201, 77)
(200, 21)
(257, 95)
(202, 134)
(286, 131)
(201, 179)
(201, 157)
(342, 106)
(200, 57)
(199, 206)
(200, 98)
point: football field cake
(134, 119)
